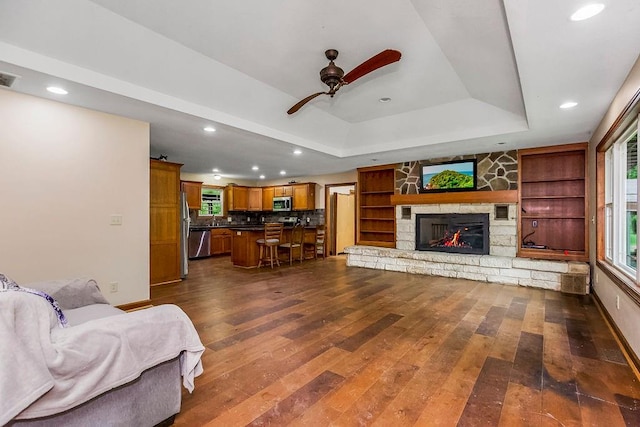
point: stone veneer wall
(495, 171)
(500, 266)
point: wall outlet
(534, 224)
(113, 287)
(116, 219)
(618, 302)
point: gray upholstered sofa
(104, 367)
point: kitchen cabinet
(220, 241)
(282, 190)
(267, 198)
(376, 215)
(304, 196)
(193, 190)
(552, 195)
(236, 198)
(164, 222)
(255, 199)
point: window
(211, 202)
(621, 201)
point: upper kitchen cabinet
(553, 193)
(193, 190)
(255, 199)
(304, 196)
(267, 198)
(282, 190)
(164, 222)
(236, 198)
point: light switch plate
(116, 220)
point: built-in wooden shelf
(502, 196)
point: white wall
(65, 170)
(627, 317)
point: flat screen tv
(458, 175)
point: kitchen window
(211, 201)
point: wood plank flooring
(321, 344)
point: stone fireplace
(453, 233)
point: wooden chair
(316, 248)
(295, 242)
(272, 238)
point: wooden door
(254, 199)
(345, 221)
(267, 198)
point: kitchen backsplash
(315, 217)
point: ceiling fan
(334, 77)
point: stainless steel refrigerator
(184, 235)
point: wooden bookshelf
(553, 208)
(376, 214)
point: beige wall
(65, 170)
(627, 317)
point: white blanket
(45, 369)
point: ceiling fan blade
(302, 102)
(385, 57)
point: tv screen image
(450, 176)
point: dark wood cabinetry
(376, 214)
(552, 188)
(193, 190)
(164, 222)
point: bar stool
(316, 248)
(295, 242)
(272, 238)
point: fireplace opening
(457, 233)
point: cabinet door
(226, 242)
(267, 198)
(283, 190)
(193, 190)
(304, 197)
(238, 198)
(255, 199)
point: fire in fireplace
(458, 233)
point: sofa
(68, 358)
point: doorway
(340, 216)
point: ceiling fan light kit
(334, 77)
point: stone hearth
(500, 266)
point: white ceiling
(473, 74)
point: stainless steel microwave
(281, 204)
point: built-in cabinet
(239, 198)
(236, 198)
(552, 188)
(304, 196)
(220, 241)
(376, 214)
(267, 198)
(164, 222)
(193, 191)
(255, 199)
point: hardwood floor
(320, 344)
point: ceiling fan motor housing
(331, 75)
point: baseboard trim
(137, 305)
(628, 353)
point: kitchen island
(244, 249)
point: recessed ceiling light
(209, 129)
(385, 99)
(215, 170)
(568, 104)
(255, 168)
(57, 90)
(283, 172)
(587, 12)
(297, 151)
(216, 177)
(261, 176)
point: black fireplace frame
(454, 219)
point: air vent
(7, 79)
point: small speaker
(501, 212)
